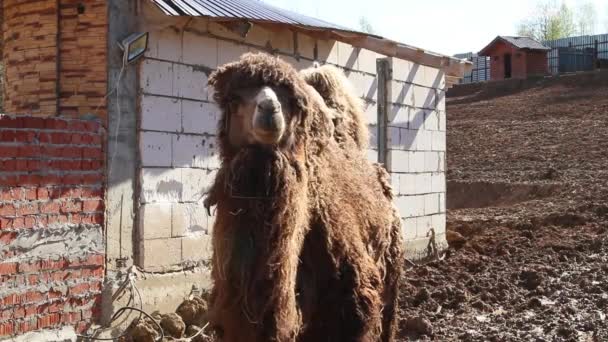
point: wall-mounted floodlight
(134, 46)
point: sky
(444, 26)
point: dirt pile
(528, 228)
(183, 325)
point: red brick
(94, 178)
(71, 206)
(29, 222)
(32, 179)
(7, 210)
(92, 126)
(33, 122)
(9, 151)
(42, 193)
(7, 237)
(8, 268)
(92, 152)
(78, 126)
(6, 314)
(58, 219)
(31, 266)
(61, 138)
(78, 289)
(27, 209)
(9, 300)
(30, 194)
(50, 208)
(49, 320)
(31, 310)
(9, 180)
(34, 296)
(6, 223)
(26, 326)
(55, 123)
(6, 194)
(92, 205)
(8, 122)
(53, 264)
(57, 276)
(7, 328)
(25, 136)
(50, 180)
(7, 136)
(29, 151)
(19, 223)
(33, 279)
(97, 260)
(73, 179)
(44, 137)
(92, 193)
(34, 165)
(70, 317)
(19, 312)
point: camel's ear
(221, 80)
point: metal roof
(260, 12)
(243, 9)
(524, 43)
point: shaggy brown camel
(307, 243)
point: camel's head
(263, 102)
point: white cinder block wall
(416, 152)
(178, 122)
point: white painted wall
(177, 133)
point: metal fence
(577, 53)
(571, 54)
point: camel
(307, 243)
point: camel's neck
(264, 216)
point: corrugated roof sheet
(243, 9)
(526, 43)
(258, 11)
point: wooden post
(384, 73)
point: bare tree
(586, 19)
(548, 22)
(365, 25)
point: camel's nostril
(269, 106)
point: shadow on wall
(417, 120)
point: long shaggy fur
(338, 94)
(307, 243)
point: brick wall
(29, 56)
(50, 67)
(178, 124)
(51, 218)
(83, 51)
(537, 63)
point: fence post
(383, 70)
(596, 54)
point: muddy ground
(528, 218)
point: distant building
(516, 57)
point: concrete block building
(108, 162)
(516, 57)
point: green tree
(548, 22)
(366, 26)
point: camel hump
(339, 95)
